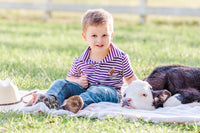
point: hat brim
(17, 106)
(13, 107)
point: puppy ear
(165, 95)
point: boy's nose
(98, 39)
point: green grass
(33, 53)
(41, 123)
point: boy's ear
(84, 36)
(112, 36)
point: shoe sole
(73, 104)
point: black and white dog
(165, 86)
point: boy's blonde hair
(96, 17)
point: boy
(95, 76)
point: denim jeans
(63, 89)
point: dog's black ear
(165, 95)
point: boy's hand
(83, 81)
(130, 79)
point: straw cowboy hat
(9, 96)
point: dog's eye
(124, 95)
(145, 95)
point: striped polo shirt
(109, 71)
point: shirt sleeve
(127, 68)
(74, 71)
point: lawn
(35, 52)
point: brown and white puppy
(182, 82)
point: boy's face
(98, 37)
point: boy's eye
(94, 35)
(104, 35)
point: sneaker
(73, 104)
(50, 101)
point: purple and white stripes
(109, 72)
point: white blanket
(180, 114)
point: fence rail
(143, 10)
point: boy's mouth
(100, 46)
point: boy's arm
(130, 79)
(83, 80)
(73, 79)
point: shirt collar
(113, 53)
